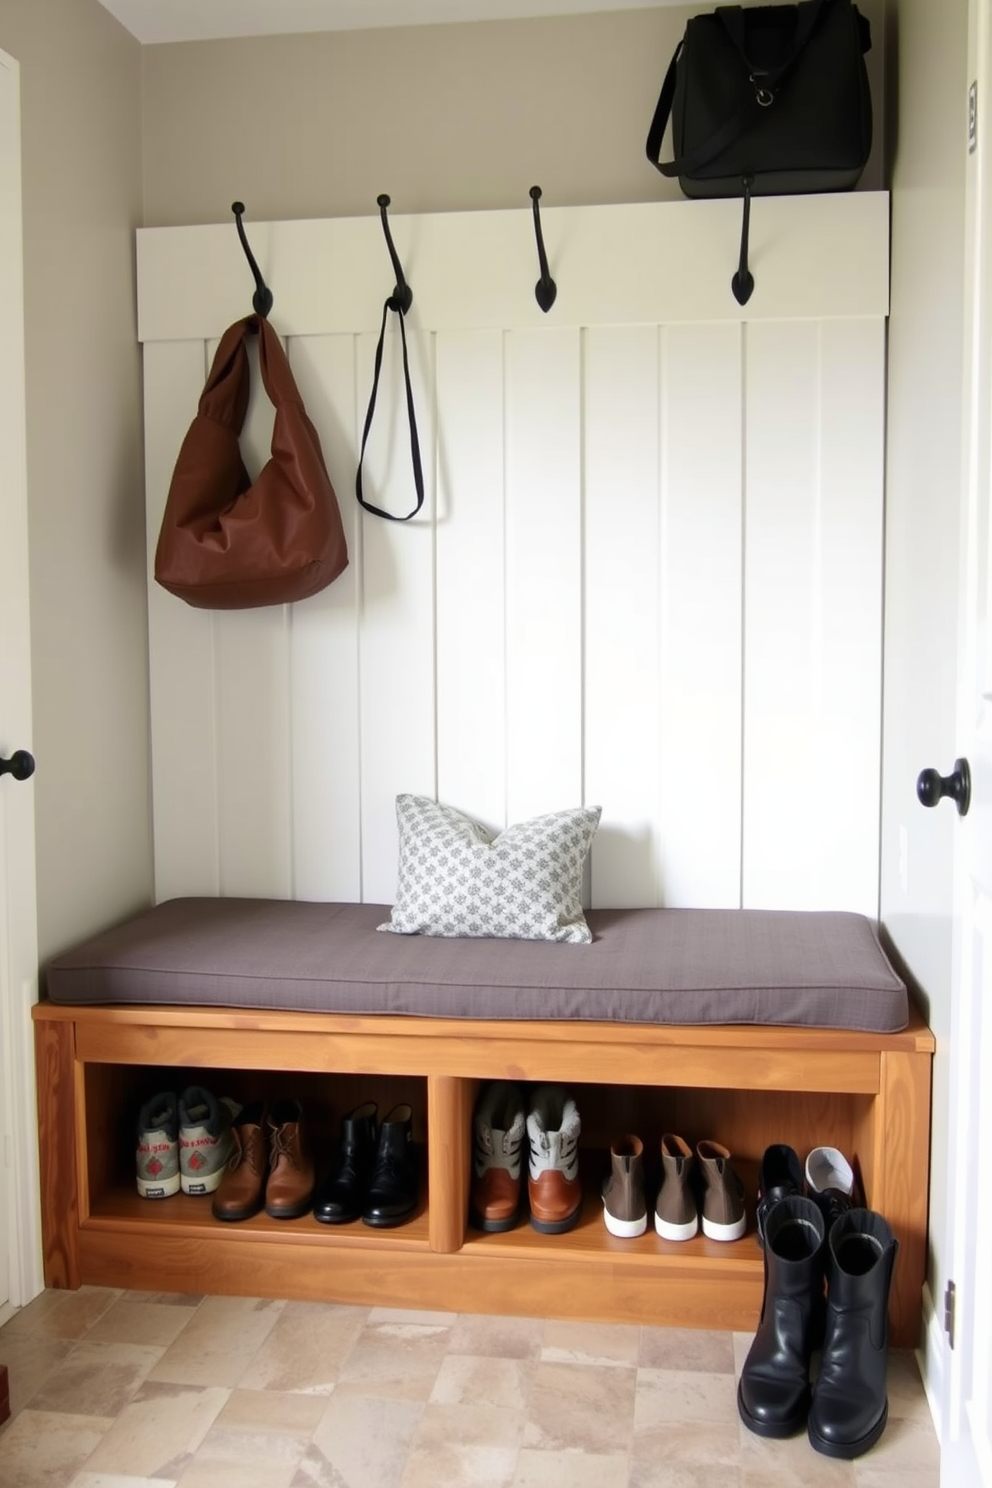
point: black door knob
(932, 787)
(20, 765)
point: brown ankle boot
(289, 1191)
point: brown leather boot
(289, 1191)
(242, 1185)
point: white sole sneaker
(149, 1189)
(724, 1231)
(669, 1231)
(625, 1229)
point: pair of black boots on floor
(375, 1178)
(830, 1289)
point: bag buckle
(764, 96)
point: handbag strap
(418, 473)
(732, 17)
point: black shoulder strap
(418, 473)
(734, 23)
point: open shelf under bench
(746, 1086)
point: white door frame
(18, 909)
(966, 1412)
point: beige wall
(81, 120)
(443, 118)
(923, 523)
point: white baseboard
(932, 1359)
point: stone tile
(219, 1342)
(467, 1380)
(463, 1446)
(128, 1321)
(56, 1314)
(86, 1479)
(361, 1442)
(581, 1407)
(497, 1337)
(714, 1449)
(244, 1458)
(396, 1359)
(659, 1472)
(570, 1470)
(30, 1364)
(769, 1464)
(167, 1299)
(96, 1379)
(42, 1449)
(589, 1343)
(869, 1472)
(905, 1443)
(693, 1349)
(158, 1433)
(904, 1387)
(306, 1348)
(409, 1315)
(674, 1395)
(272, 1413)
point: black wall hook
(545, 290)
(743, 281)
(402, 296)
(262, 298)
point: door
(19, 1266)
(966, 1445)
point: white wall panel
(812, 619)
(471, 576)
(181, 647)
(325, 765)
(622, 416)
(396, 642)
(543, 573)
(251, 680)
(647, 573)
(700, 600)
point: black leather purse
(767, 100)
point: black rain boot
(392, 1195)
(342, 1195)
(773, 1395)
(850, 1407)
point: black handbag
(767, 100)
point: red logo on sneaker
(154, 1167)
(195, 1160)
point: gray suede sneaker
(158, 1147)
(723, 1199)
(676, 1216)
(205, 1140)
(625, 1209)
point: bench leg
(55, 1058)
(449, 1145)
(897, 1177)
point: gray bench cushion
(818, 969)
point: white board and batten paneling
(647, 573)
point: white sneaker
(828, 1168)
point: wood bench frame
(868, 1094)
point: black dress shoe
(342, 1196)
(392, 1195)
(779, 1177)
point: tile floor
(116, 1389)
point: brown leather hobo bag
(230, 543)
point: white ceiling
(202, 20)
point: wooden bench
(747, 1086)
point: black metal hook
(743, 281)
(545, 290)
(402, 296)
(262, 298)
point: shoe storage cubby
(745, 1087)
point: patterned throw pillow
(524, 884)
